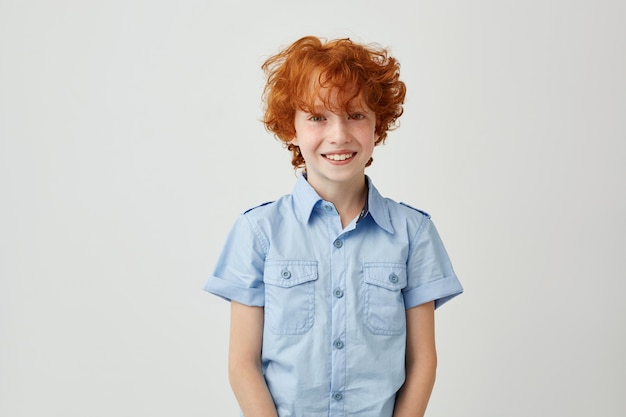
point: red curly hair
(353, 71)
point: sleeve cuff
(440, 291)
(231, 292)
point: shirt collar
(305, 198)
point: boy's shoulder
(409, 207)
(402, 215)
(270, 207)
(397, 209)
(258, 206)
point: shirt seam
(258, 235)
(416, 235)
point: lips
(339, 156)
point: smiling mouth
(339, 156)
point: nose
(339, 131)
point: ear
(294, 141)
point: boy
(333, 287)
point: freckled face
(336, 146)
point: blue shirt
(334, 298)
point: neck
(348, 199)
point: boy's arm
(421, 362)
(244, 361)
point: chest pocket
(384, 311)
(290, 295)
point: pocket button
(286, 274)
(393, 278)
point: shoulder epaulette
(416, 209)
(260, 205)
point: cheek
(371, 136)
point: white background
(130, 140)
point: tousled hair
(352, 71)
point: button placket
(337, 334)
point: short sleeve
(238, 274)
(430, 276)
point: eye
(317, 118)
(356, 116)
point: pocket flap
(389, 275)
(289, 273)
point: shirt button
(338, 243)
(328, 207)
(338, 344)
(393, 278)
(338, 396)
(338, 292)
(286, 274)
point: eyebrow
(321, 109)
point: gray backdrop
(130, 141)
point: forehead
(332, 97)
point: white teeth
(340, 157)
